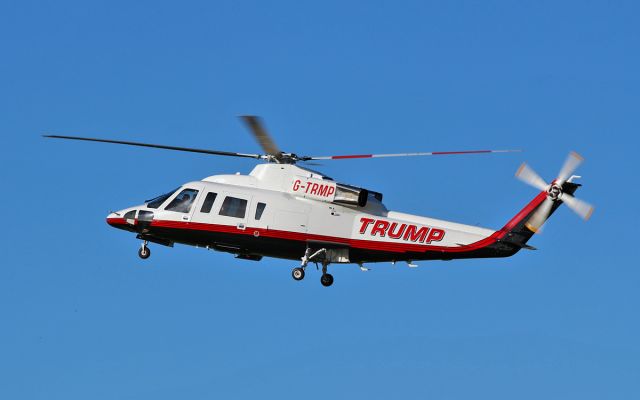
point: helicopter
(283, 210)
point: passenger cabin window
(183, 201)
(208, 202)
(259, 210)
(233, 207)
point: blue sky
(83, 317)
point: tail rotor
(555, 192)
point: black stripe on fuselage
(240, 243)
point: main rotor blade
(157, 146)
(540, 216)
(573, 161)
(256, 127)
(528, 175)
(582, 208)
(432, 153)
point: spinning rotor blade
(540, 216)
(256, 127)
(555, 192)
(158, 146)
(528, 175)
(573, 161)
(433, 153)
(582, 208)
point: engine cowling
(347, 194)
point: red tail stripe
(523, 213)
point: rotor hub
(554, 192)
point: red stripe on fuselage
(116, 221)
(354, 243)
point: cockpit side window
(157, 201)
(183, 201)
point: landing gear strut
(144, 251)
(298, 272)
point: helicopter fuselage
(284, 211)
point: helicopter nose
(131, 219)
(116, 219)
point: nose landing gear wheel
(326, 280)
(298, 274)
(144, 252)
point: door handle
(241, 226)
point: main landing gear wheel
(326, 280)
(298, 274)
(144, 252)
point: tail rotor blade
(573, 161)
(540, 216)
(529, 176)
(582, 208)
(256, 127)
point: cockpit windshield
(157, 201)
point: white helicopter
(285, 211)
